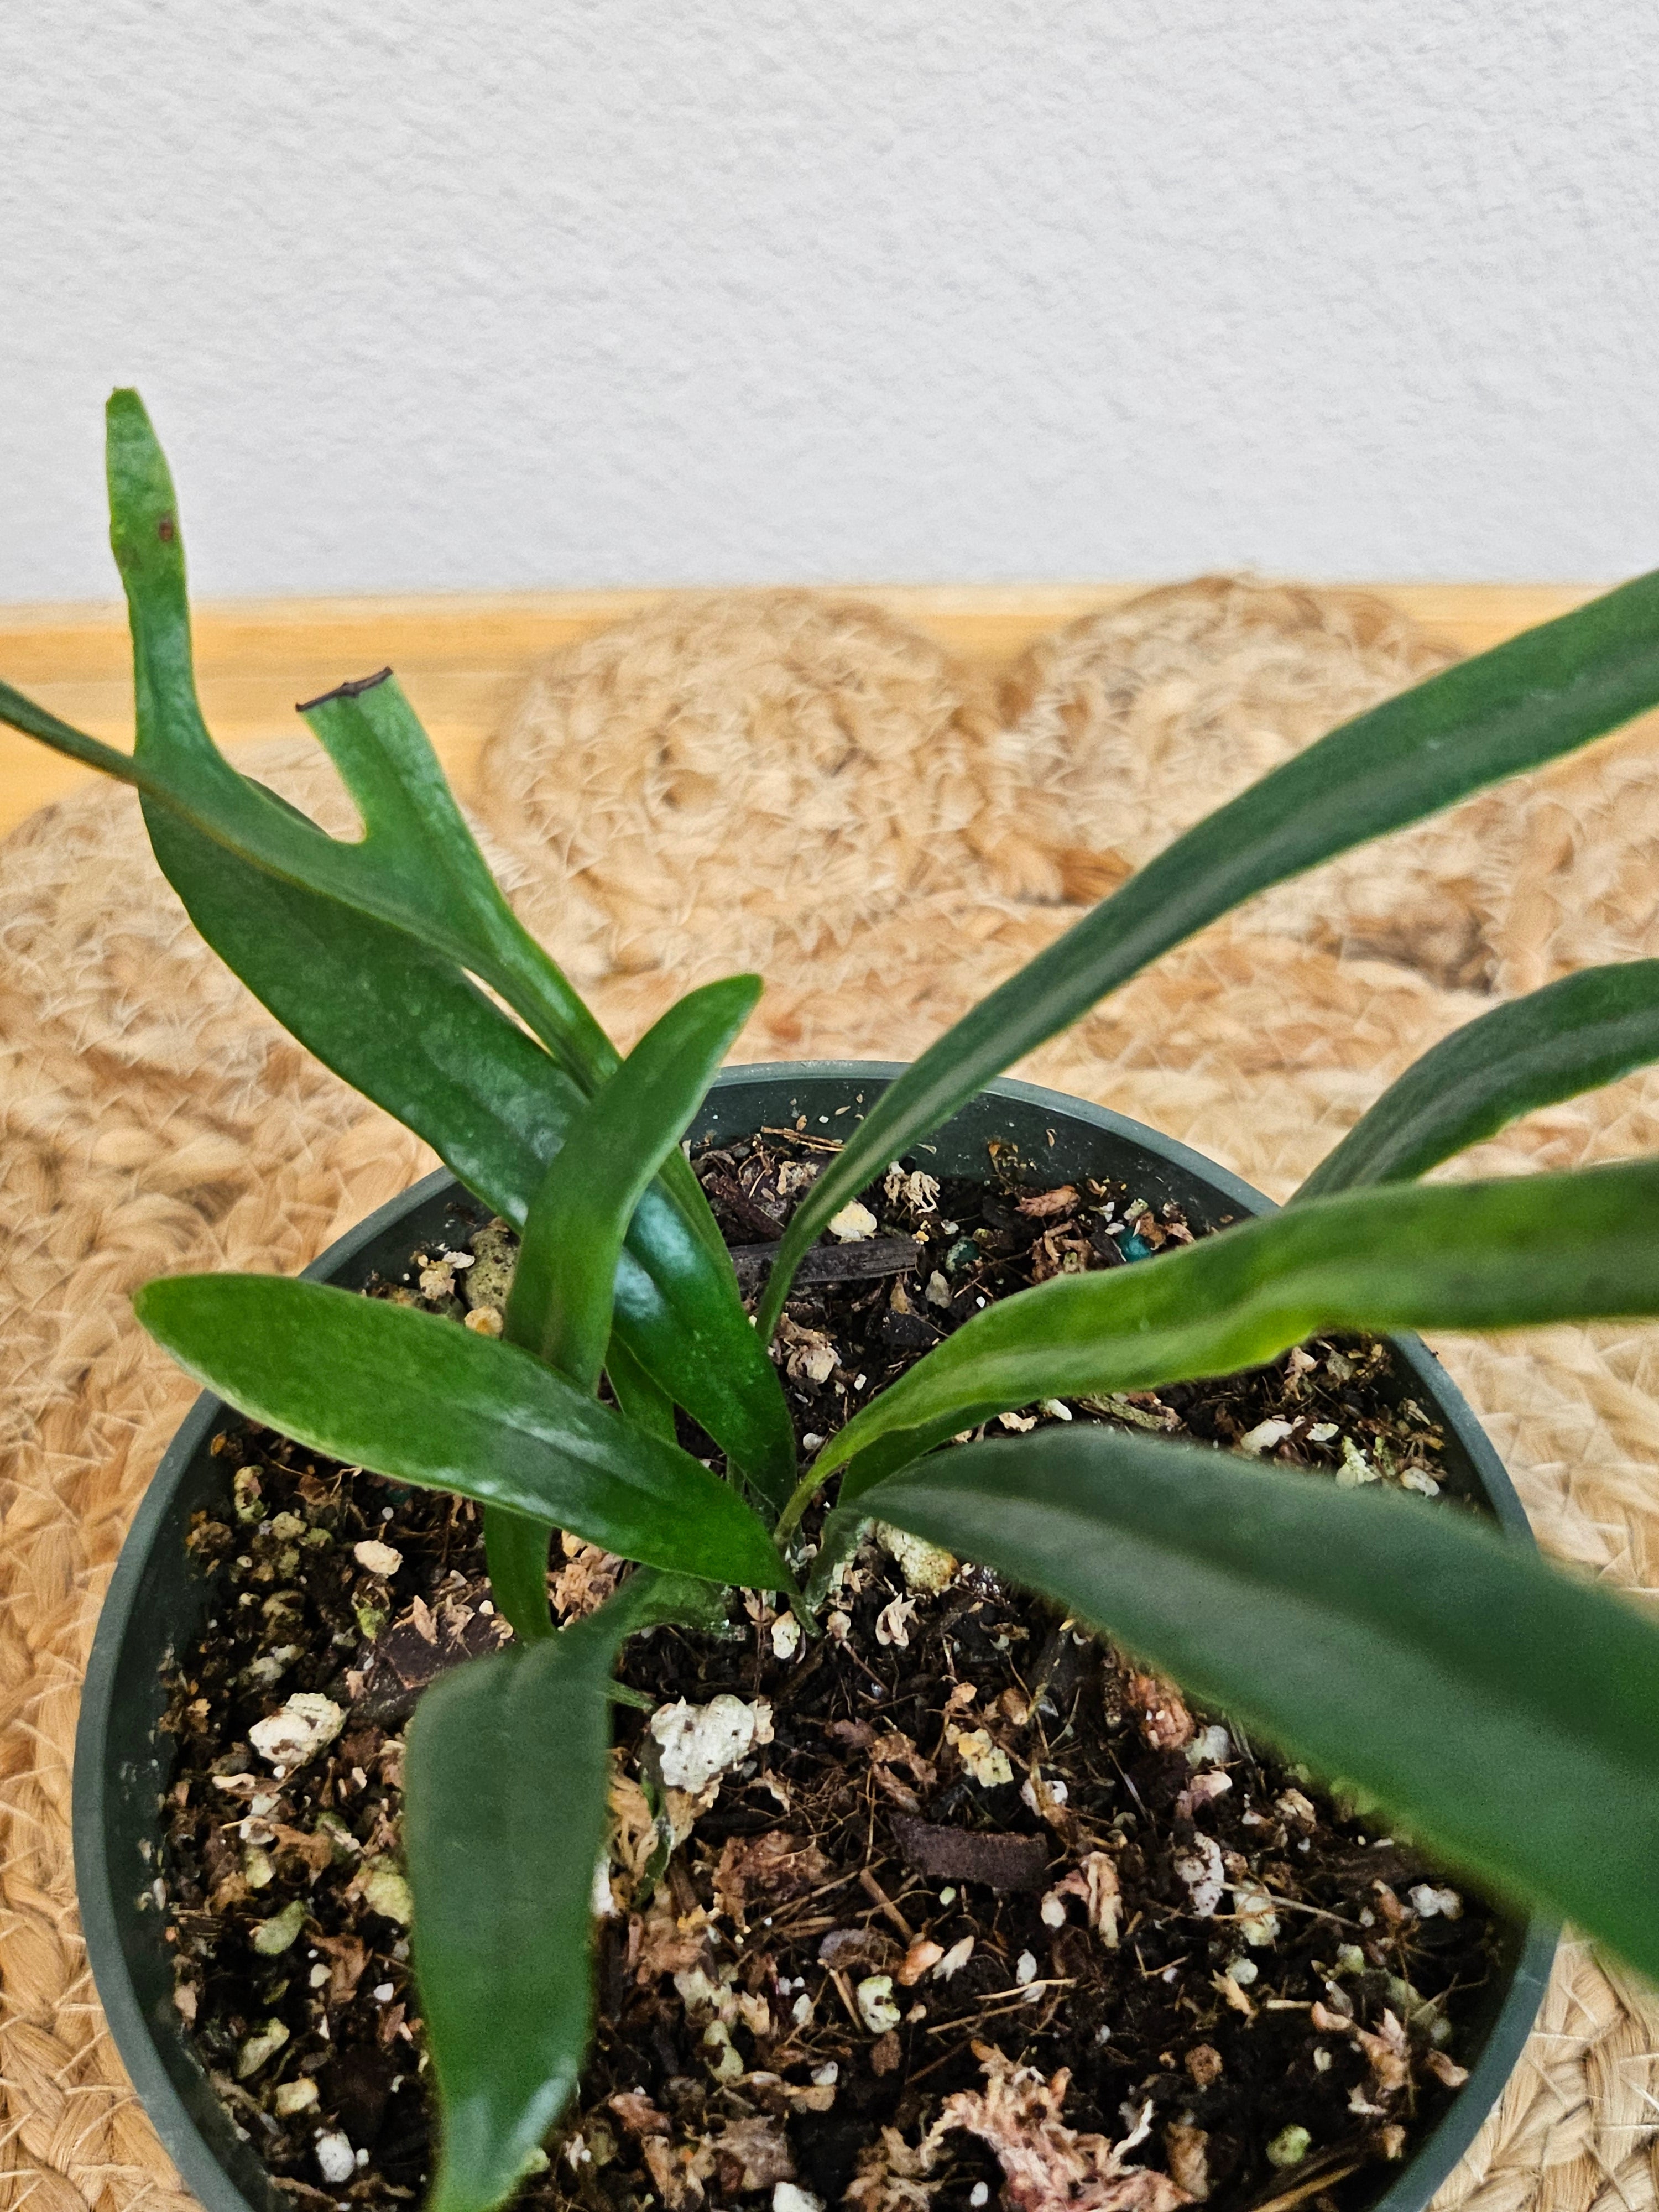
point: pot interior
(157, 1600)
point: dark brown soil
(960, 1794)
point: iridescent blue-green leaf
(506, 1778)
(1474, 1255)
(1539, 695)
(1572, 1036)
(563, 1286)
(414, 1397)
(1508, 1711)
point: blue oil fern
(1508, 1711)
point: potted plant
(610, 1385)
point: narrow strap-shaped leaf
(515, 1554)
(397, 1021)
(417, 865)
(563, 1286)
(1476, 1255)
(34, 720)
(636, 1393)
(506, 1778)
(410, 817)
(413, 1397)
(402, 1025)
(1572, 1036)
(325, 931)
(1508, 1712)
(678, 1311)
(1539, 695)
(376, 740)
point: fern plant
(1508, 1712)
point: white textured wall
(470, 293)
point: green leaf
(636, 1393)
(679, 1312)
(1541, 694)
(416, 865)
(1570, 1037)
(34, 721)
(359, 949)
(1509, 1713)
(515, 1554)
(563, 1286)
(1475, 1255)
(418, 1399)
(504, 1819)
(398, 1022)
(403, 1026)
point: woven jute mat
(799, 785)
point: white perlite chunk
(985, 1760)
(954, 1959)
(1427, 1901)
(876, 2006)
(923, 1565)
(297, 1731)
(380, 1558)
(1263, 1436)
(1253, 1905)
(1200, 1866)
(1355, 1469)
(786, 1636)
(789, 2197)
(337, 2161)
(700, 1742)
(852, 1223)
(1213, 1743)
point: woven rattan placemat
(802, 786)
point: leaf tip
(353, 688)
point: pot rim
(102, 1915)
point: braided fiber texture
(799, 783)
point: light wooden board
(461, 659)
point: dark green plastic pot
(157, 1601)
